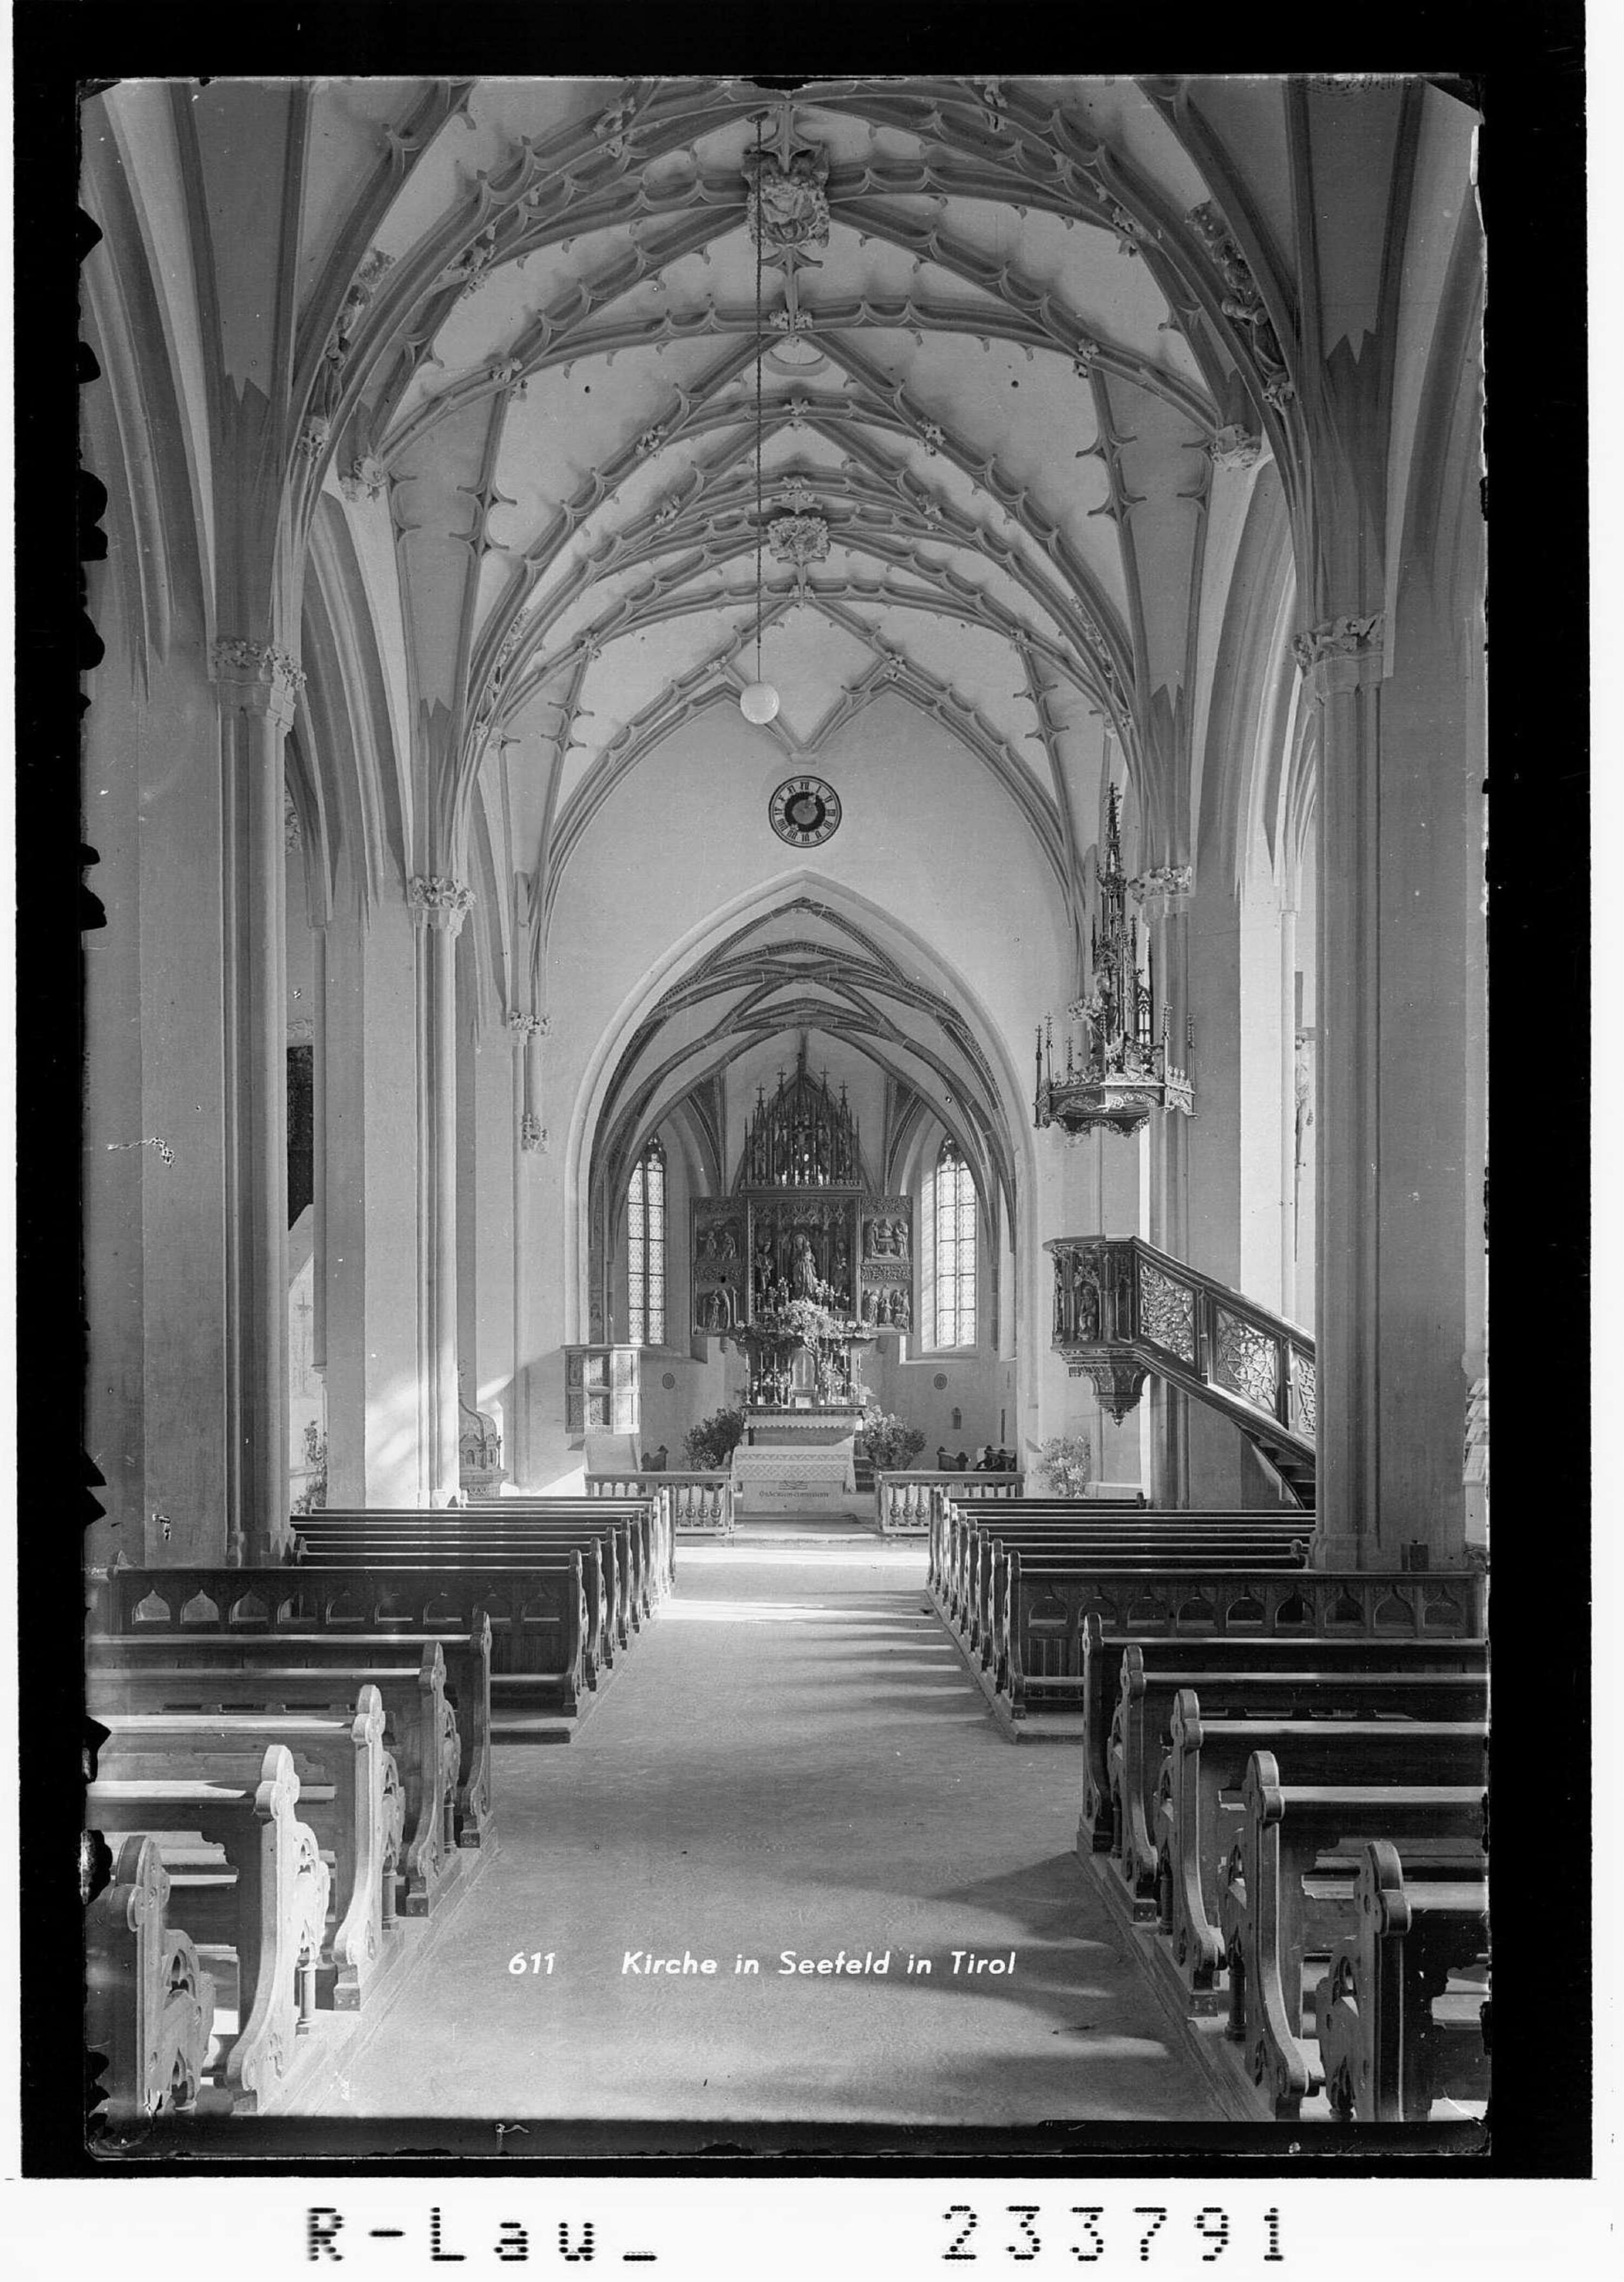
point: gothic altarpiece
(800, 1224)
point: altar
(795, 1477)
(801, 1427)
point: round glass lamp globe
(758, 702)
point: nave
(794, 1760)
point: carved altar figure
(806, 1278)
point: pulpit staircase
(1122, 1310)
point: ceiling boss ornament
(798, 539)
(787, 209)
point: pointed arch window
(954, 1232)
(646, 1249)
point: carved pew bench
(1200, 1795)
(1049, 1640)
(613, 1609)
(248, 1877)
(1288, 1895)
(149, 2004)
(1044, 1615)
(637, 1527)
(1301, 1686)
(1171, 1656)
(435, 1690)
(339, 1759)
(1400, 2017)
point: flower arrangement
(890, 1442)
(1067, 1463)
(803, 1323)
(709, 1447)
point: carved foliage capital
(526, 1026)
(532, 1134)
(1167, 882)
(1341, 652)
(1234, 447)
(260, 676)
(441, 902)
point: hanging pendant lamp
(758, 700)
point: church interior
(785, 1109)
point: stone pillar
(1165, 896)
(368, 1213)
(258, 687)
(1288, 1117)
(438, 908)
(1395, 908)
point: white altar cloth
(819, 1478)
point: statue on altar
(808, 1284)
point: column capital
(440, 903)
(259, 677)
(532, 1133)
(1234, 447)
(1341, 653)
(1164, 889)
(526, 1026)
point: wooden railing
(906, 1504)
(1123, 1309)
(692, 1504)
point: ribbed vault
(806, 971)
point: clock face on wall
(805, 811)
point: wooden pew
(1392, 2037)
(1128, 1539)
(1298, 1687)
(608, 1569)
(256, 1886)
(1286, 1890)
(648, 1512)
(1186, 1656)
(1043, 1616)
(952, 1519)
(1054, 1557)
(338, 1757)
(1202, 1774)
(149, 2004)
(236, 1639)
(537, 1610)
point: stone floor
(791, 1759)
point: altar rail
(906, 1504)
(692, 1505)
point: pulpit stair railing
(1123, 1309)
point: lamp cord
(759, 527)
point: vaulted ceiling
(985, 402)
(529, 387)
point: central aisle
(791, 1759)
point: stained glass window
(646, 1249)
(955, 1250)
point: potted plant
(891, 1444)
(1066, 1462)
(710, 1446)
